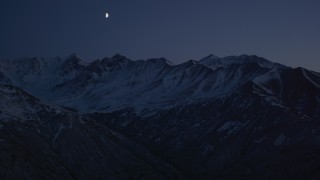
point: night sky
(284, 31)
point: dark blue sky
(285, 31)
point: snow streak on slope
(307, 75)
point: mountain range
(237, 117)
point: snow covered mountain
(237, 117)
(118, 82)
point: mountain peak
(73, 58)
(212, 56)
(119, 57)
(161, 60)
(73, 62)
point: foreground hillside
(40, 141)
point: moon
(107, 15)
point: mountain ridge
(122, 82)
